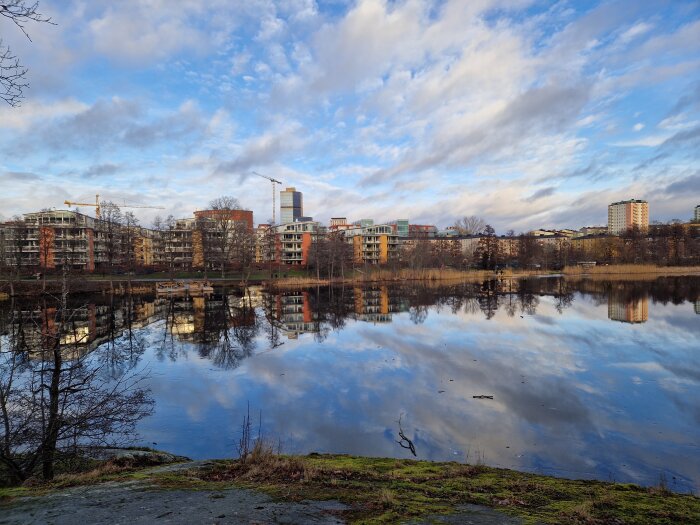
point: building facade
(624, 215)
(373, 244)
(696, 217)
(291, 205)
(400, 227)
(295, 240)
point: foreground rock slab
(133, 503)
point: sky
(530, 114)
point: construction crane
(97, 205)
(273, 181)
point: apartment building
(422, 231)
(295, 240)
(624, 215)
(696, 217)
(185, 243)
(373, 244)
(400, 227)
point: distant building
(234, 216)
(364, 223)
(696, 218)
(624, 215)
(697, 307)
(400, 227)
(592, 230)
(291, 205)
(339, 221)
(422, 231)
(553, 233)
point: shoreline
(378, 490)
(118, 285)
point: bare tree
(53, 398)
(221, 229)
(243, 249)
(13, 74)
(110, 227)
(130, 239)
(17, 233)
(470, 225)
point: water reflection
(332, 369)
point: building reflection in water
(626, 309)
(207, 320)
(301, 312)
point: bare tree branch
(12, 73)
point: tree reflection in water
(59, 392)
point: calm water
(589, 380)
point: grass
(384, 490)
(380, 275)
(379, 490)
(74, 471)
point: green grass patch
(381, 490)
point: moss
(380, 490)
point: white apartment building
(624, 215)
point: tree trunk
(48, 452)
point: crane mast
(273, 181)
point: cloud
(539, 111)
(110, 122)
(22, 176)
(424, 109)
(688, 185)
(263, 150)
(101, 170)
(540, 194)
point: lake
(578, 378)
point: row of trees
(663, 244)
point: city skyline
(538, 115)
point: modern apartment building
(373, 244)
(400, 227)
(422, 231)
(624, 215)
(55, 239)
(291, 205)
(295, 240)
(696, 217)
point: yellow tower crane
(97, 205)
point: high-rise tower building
(291, 205)
(697, 213)
(624, 215)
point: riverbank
(361, 490)
(145, 284)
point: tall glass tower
(291, 205)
